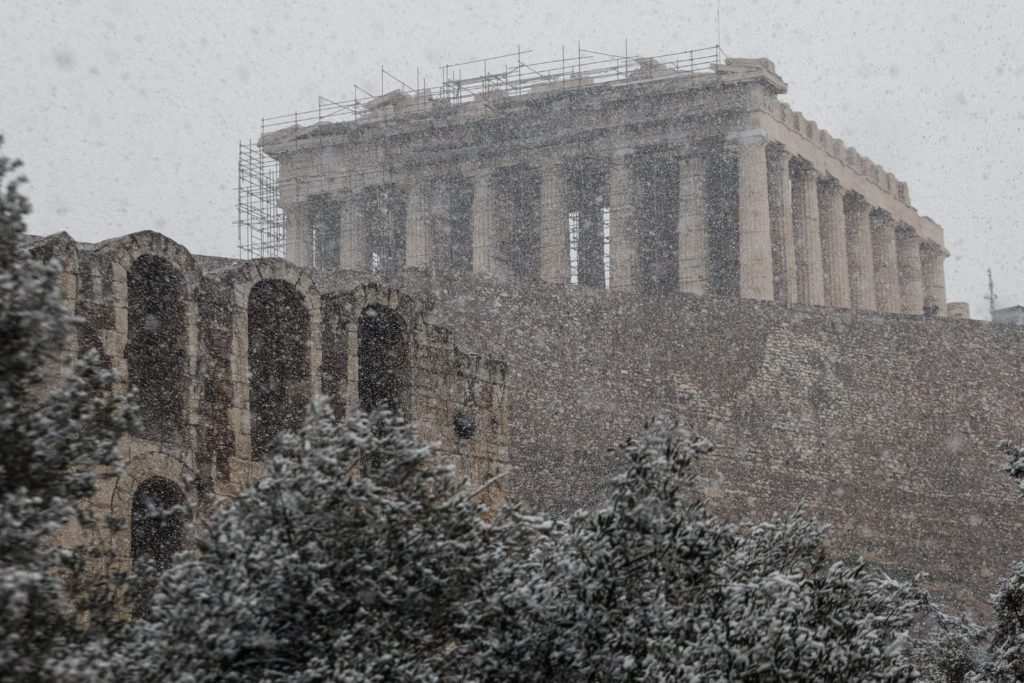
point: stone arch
(158, 536)
(104, 298)
(156, 347)
(278, 360)
(158, 526)
(383, 358)
(240, 279)
(412, 311)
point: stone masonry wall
(205, 449)
(883, 425)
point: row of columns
(800, 237)
(804, 239)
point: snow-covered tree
(654, 587)
(332, 569)
(953, 652)
(329, 569)
(53, 447)
(1008, 634)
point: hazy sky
(128, 114)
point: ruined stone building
(530, 264)
(661, 180)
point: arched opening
(383, 356)
(157, 345)
(158, 529)
(279, 387)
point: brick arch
(241, 279)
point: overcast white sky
(128, 114)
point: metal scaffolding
(260, 220)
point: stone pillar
(554, 222)
(296, 231)
(483, 220)
(860, 258)
(755, 232)
(933, 276)
(694, 244)
(908, 270)
(621, 228)
(833, 244)
(883, 242)
(417, 222)
(810, 279)
(780, 211)
(355, 243)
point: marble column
(908, 270)
(694, 235)
(834, 259)
(417, 222)
(622, 209)
(554, 222)
(780, 211)
(297, 240)
(483, 220)
(810, 279)
(933, 276)
(859, 253)
(355, 243)
(883, 242)
(755, 232)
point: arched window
(279, 388)
(157, 345)
(158, 528)
(383, 359)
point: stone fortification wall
(883, 425)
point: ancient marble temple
(662, 179)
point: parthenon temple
(664, 176)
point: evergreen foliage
(54, 446)
(330, 568)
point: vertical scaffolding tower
(260, 218)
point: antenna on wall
(991, 294)
(718, 21)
